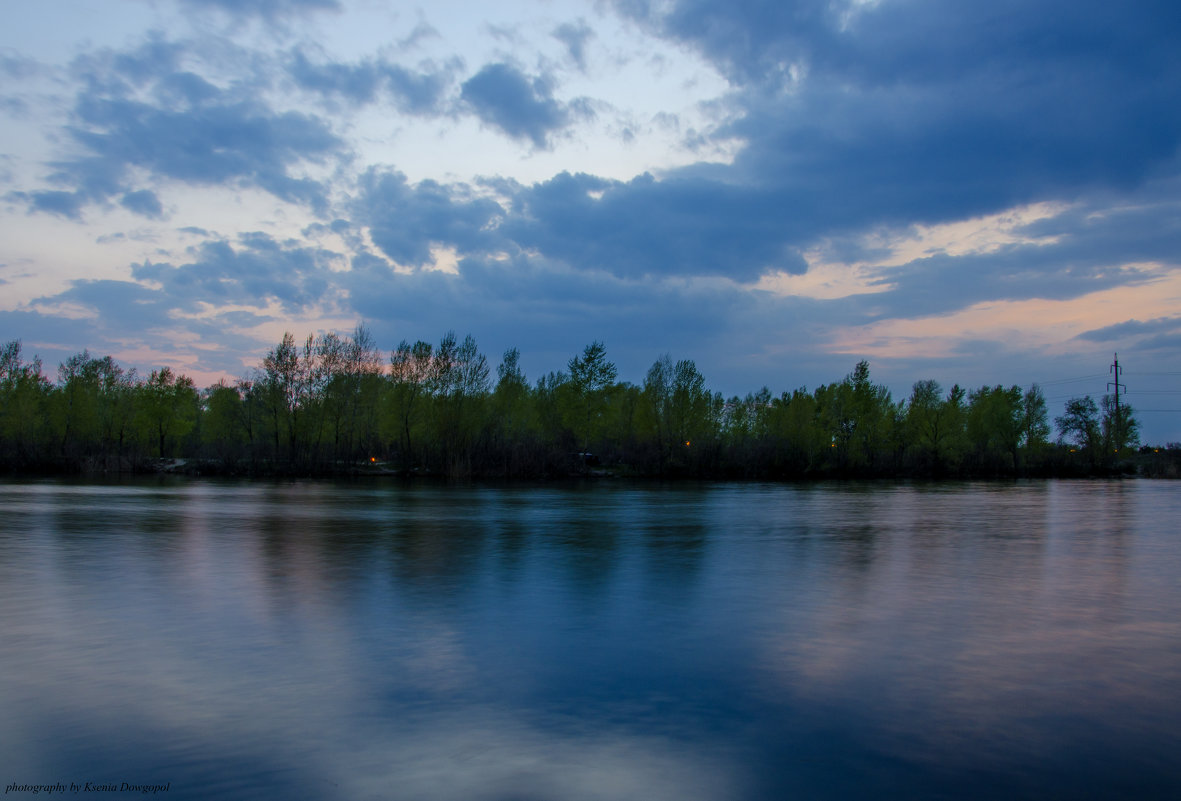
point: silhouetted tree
(411, 368)
(1034, 423)
(1119, 425)
(24, 397)
(995, 424)
(591, 375)
(1080, 424)
(168, 408)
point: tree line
(338, 404)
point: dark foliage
(335, 404)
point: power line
(1068, 397)
(1072, 380)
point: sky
(975, 192)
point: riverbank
(1158, 463)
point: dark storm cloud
(139, 110)
(944, 283)
(895, 115)
(698, 227)
(1080, 250)
(1164, 342)
(118, 300)
(921, 111)
(1016, 104)
(365, 82)
(1111, 230)
(917, 41)
(1134, 328)
(522, 107)
(405, 220)
(254, 270)
(641, 228)
(213, 143)
(676, 226)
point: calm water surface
(372, 640)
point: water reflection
(315, 639)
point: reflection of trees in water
(934, 630)
(663, 527)
(436, 558)
(673, 526)
(994, 609)
(674, 551)
(433, 541)
(1094, 540)
(856, 546)
(586, 548)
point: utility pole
(1119, 417)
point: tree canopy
(333, 403)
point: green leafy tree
(933, 428)
(1079, 424)
(591, 376)
(366, 380)
(283, 385)
(168, 408)
(683, 411)
(679, 411)
(554, 398)
(349, 371)
(24, 397)
(622, 422)
(74, 405)
(1035, 426)
(744, 426)
(690, 406)
(90, 409)
(222, 431)
(513, 419)
(858, 416)
(411, 378)
(256, 417)
(873, 412)
(932, 420)
(657, 395)
(995, 425)
(511, 396)
(460, 384)
(800, 441)
(1120, 427)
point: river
(391, 640)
